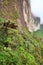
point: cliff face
(8, 8)
(27, 19)
(24, 11)
(7, 11)
(34, 24)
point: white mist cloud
(37, 8)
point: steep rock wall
(34, 24)
(10, 9)
(25, 12)
(7, 11)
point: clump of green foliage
(19, 49)
(19, 56)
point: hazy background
(37, 8)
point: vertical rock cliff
(10, 9)
(27, 19)
(7, 11)
(24, 12)
(34, 24)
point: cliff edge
(19, 11)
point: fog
(37, 8)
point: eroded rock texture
(24, 11)
(27, 19)
(9, 9)
(34, 24)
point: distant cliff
(35, 23)
(19, 10)
(41, 26)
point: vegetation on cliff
(18, 48)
